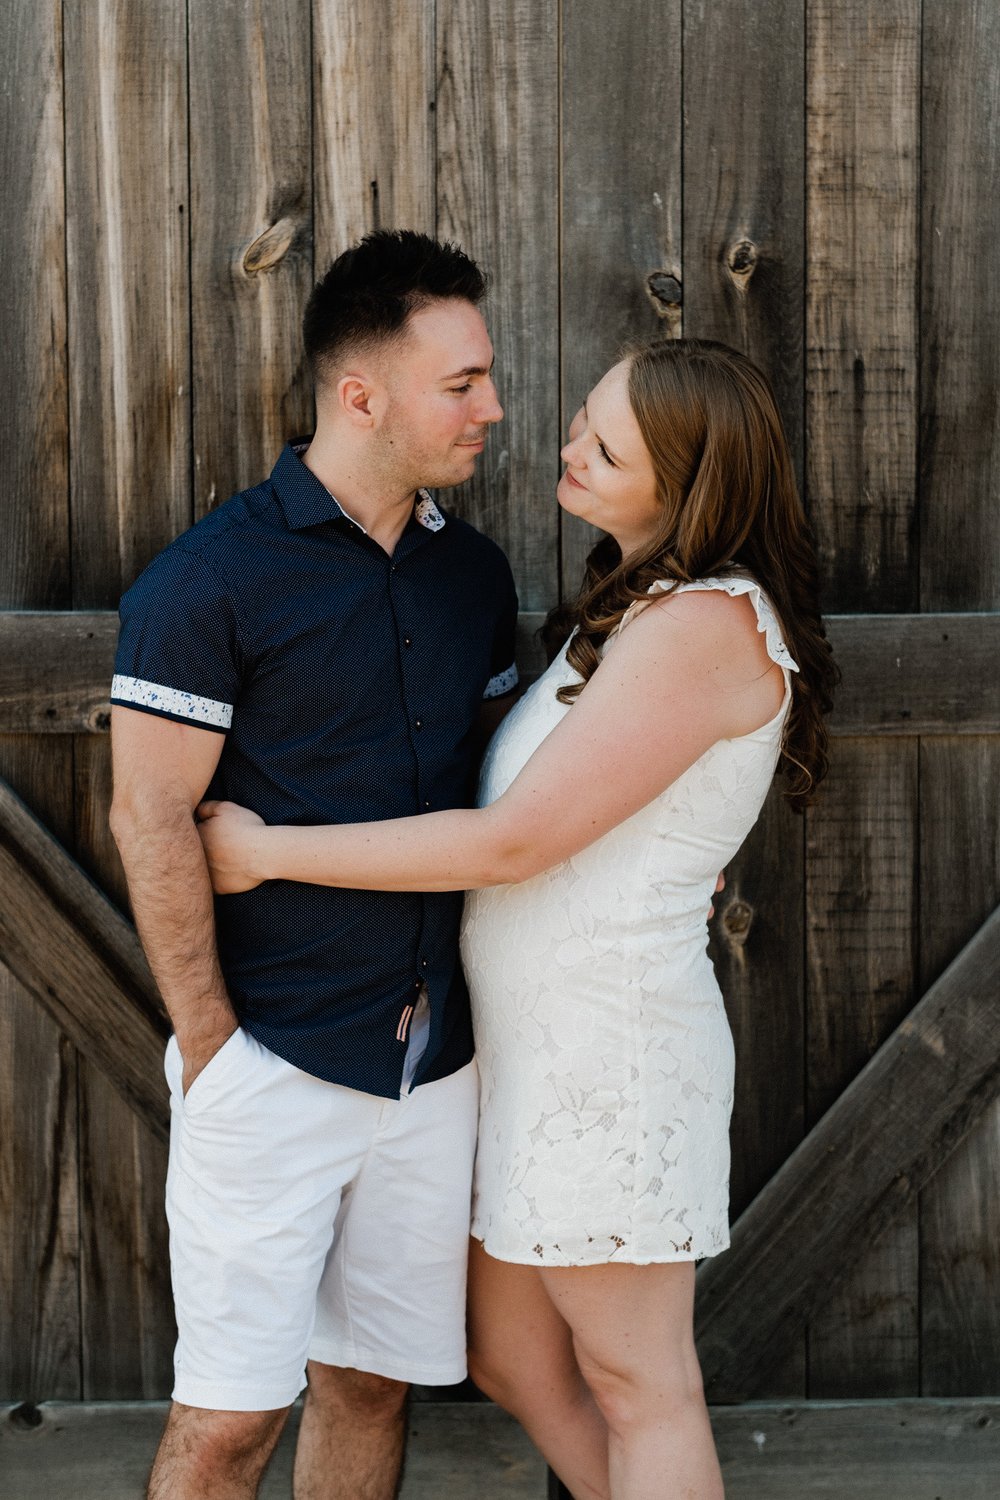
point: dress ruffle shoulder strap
(734, 585)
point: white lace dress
(603, 1045)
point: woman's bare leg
(632, 1334)
(521, 1354)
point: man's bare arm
(161, 771)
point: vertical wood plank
(862, 161)
(127, 249)
(862, 166)
(960, 569)
(127, 195)
(758, 948)
(960, 307)
(861, 923)
(126, 1309)
(373, 121)
(620, 244)
(497, 194)
(744, 170)
(39, 1245)
(251, 237)
(960, 1210)
(743, 232)
(34, 565)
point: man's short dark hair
(371, 290)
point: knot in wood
(664, 292)
(741, 262)
(737, 919)
(99, 719)
(270, 247)
(25, 1417)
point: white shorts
(312, 1221)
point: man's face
(441, 397)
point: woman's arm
(687, 672)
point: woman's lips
(574, 482)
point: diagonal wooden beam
(81, 960)
(868, 1156)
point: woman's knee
(494, 1376)
(629, 1397)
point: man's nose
(489, 409)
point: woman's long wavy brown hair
(730, 504)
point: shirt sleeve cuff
(171, 703)
(502, 682)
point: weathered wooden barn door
(811, 182)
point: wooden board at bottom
(824, 1450)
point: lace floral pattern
(603, 1045)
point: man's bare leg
(352, 1436)
(213, 1455)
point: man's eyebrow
(620, 462)
(472, 370)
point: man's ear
(357, 398)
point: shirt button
(423, 963)
(407, 641)
(426, 804)
(418, 723)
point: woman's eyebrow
(619, 461)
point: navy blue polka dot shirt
(347, 685)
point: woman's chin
(569, 498)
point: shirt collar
(307, 502)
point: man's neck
(375, 503)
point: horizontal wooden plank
(893, 1450)
(864, 1161)
(81, 960)
(63, 1451)
(55, 671)
(903, 674)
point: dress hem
(674, 1258)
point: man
(319, 649)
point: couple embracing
(303, 686)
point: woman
(697, 662)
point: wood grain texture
(620, 201)
(127, 252)
(960, 1209)
(39, 1242)
(497, 195)
(892, 1450)
(861, 895)
(862, 166)
(34, 561)
(126, 1312)
(251, 238)
(757, 947)
(856, 1171)
(744, 174)
(373, 121)
(903, 674)
(81, 961)
(39, 1156)
(960, 307)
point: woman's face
(609, 478)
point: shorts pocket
(211, 1081)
